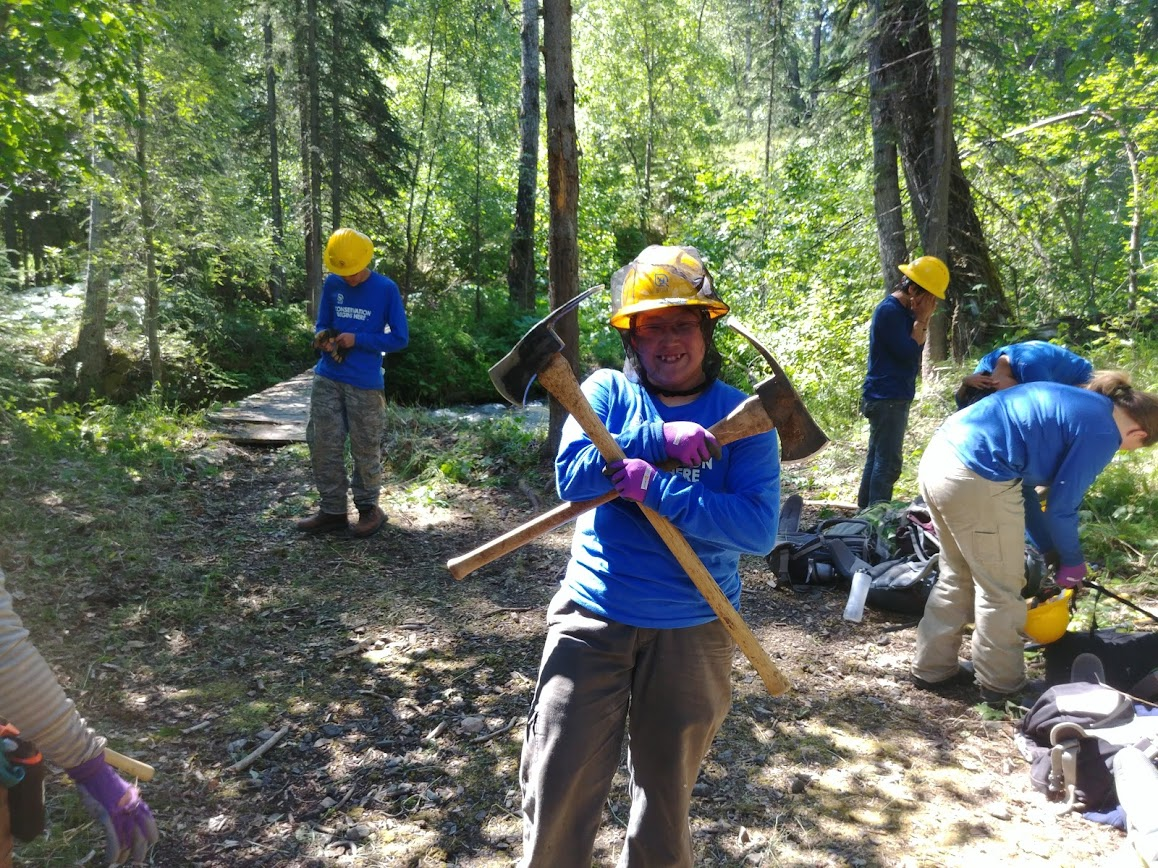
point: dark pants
(882, 467)
(668, 691)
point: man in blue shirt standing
(360, 317)
(896, 339)
(1026, 362)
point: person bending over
(977, 476)
(1025, 362)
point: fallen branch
(835, 504)
(246, 762)
(507, 609)
(487, 736)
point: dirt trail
(405, 693)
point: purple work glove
(689, 443)
(1070, 577)
(631, 477)
(129, 825)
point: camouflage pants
(338, 411)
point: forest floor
(403, 694)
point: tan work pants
(981, 528)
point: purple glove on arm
(631, 477)
(689, 443)
(129, 825)
(1070, 577)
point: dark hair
(711, 365)
(1141, 406)
(967, 395)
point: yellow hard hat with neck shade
(663, 276)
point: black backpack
(804, 558)
(1070, 737)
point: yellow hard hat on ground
(929, 273)
(1046, 621)
(663, 276)
(348, 252)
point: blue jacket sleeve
(1078, 470)
(744, 516)
(895, 332)
(397, 332)
(578, 464)
(1035, 523)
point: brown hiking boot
(323, 522)
(370, 521)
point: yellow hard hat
(1046, 622)
(929, 273)
(348, 252)
(663, 276)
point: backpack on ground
(1071, 735)
(804, 558)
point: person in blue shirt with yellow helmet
(973, 475)
(633, 649)
(1025, 362)
(360, 317)
(897, 334)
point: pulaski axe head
(800, 436)
(514, 372)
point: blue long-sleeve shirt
(619, 567)
(1042, 434)
(372, 311)
(1039, 361)
(894, 357)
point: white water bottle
(854, 608)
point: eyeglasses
(653, 331)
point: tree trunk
(562, 185)
(91, 355)
(886, 180)
(416, 212)
(911, 83)
(818, 15)
(774, 23)
(314, 212)
(277, 270)
(936, 234)
(521, 265)
(152, 288)
(336, 123)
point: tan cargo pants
(981, 528)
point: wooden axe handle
(558, 379)
(128, 765)
(748, 419)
